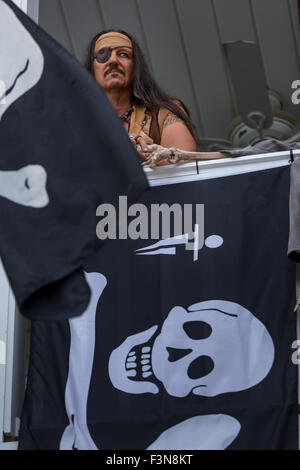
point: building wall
(183, 43)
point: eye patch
(104, 54)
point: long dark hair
(145, 90)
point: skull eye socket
(197, 329)
(200, 367)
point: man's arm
(176, 134)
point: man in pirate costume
(149, 115)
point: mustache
(111, 69)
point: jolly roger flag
(177, 351)
(63, 152)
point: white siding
(183, 40)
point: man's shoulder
(167, 117)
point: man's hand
(138, 140)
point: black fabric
(264, 146)
(250, 213)
(273, 145)
(46, 400)
(294, 238)
(66, 125)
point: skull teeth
(131, 380)
(131, 365)
(146, 374)
(141, 364)
(131, 359)
(131, 373)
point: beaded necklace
(127, 115)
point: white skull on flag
(214, 347)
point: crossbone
(173, 155)
(26, 186)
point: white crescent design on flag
(21, 59)
(26, 186)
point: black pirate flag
(63, 152)
(179, 349)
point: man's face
(116, 71)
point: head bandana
(109, 41)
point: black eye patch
(103, 55)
